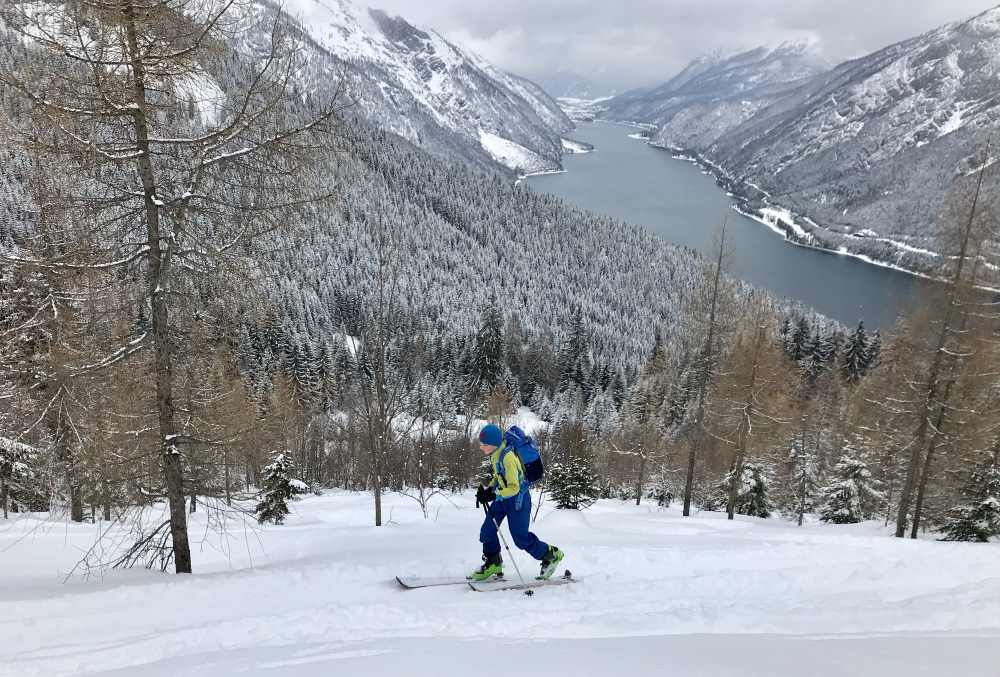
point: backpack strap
(501, 469)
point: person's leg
(488, 532)
(519, 520)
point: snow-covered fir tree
(977, 519)
(813, 361)
(573, 485)
(279, 487)
(855, 359)
(852, 496)
(487, 364)
(753, 492)
(15, 468)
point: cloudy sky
(636, 42)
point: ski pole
(529, 592)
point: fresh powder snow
(316, 597)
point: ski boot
(550, 562)
(492, 566)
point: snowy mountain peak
(414, 82)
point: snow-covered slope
(421, 86)
(316, 597)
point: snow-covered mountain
(860, 156)
(870, 149)
(715, 93)
(426, 89)
(565, 84)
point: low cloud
(630, 43)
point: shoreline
(785, 223)
(544, 172)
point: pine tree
(853, 495)
(796, 339)
(874, 350)
(601, 417)
(856, 359)
(279, 488)
(978, 518)
(15, 459)
(486, 368)
(813, 362)
(573, 485)
(752, 492)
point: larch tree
(165, 194)
(751, 394)
(968, 226)
(708, 321)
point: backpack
(521, 444)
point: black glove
(485, 496)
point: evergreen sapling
(279, 488)
(978, 519)
(852, 496)
(573, 485)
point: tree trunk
(75, 501)
(743, 436)
(3, 497)
(641, 479)
(173, 468)
(703, 380)
(931, 402)
(194, 503)
(228, 481)
(107, 510)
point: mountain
(860, 158)
(426, 89)
(716, 93)
(566, 84)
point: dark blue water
(627, 179)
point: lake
(628, 179)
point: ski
(413, 582)
(529, 586)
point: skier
(508, 496)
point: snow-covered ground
(512, 155)
(660, 593)
(576, 147)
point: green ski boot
(550, 562)
(492, 566)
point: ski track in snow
(318, 594)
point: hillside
(426, 89)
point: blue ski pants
(517, 510)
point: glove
(485, 496)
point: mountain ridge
(862, 156)
(425, 88)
